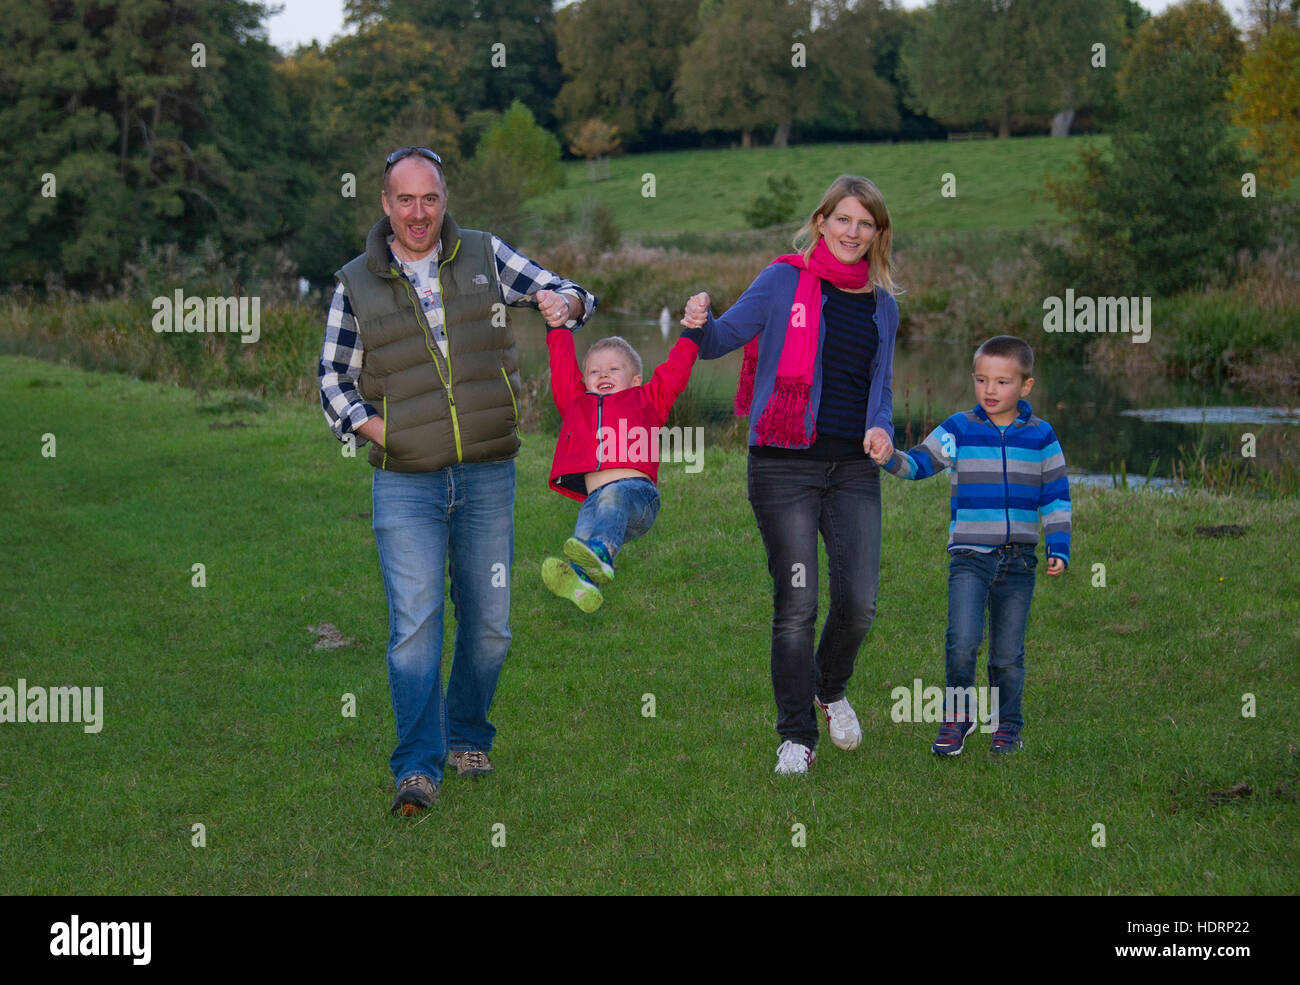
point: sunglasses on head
(397, 155)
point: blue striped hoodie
(1002, 482)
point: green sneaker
(591, 558)
(564, 580)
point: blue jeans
(462, 516)
(617, 512)
(794, 499)
(1000, 583)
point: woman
(819, 328)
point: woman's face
(848, 230)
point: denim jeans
(460, 517)
(1001, 583)
(793, 500)
(617, 512)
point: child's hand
(878, 446)
(554, 308)
(1055, 566)
(697, 311)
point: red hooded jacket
(628, 421)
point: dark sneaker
(470, 762)
(1006, 741)
(416, 793)
(570, 583)
(952, 736)
(592, 558)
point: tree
(156, 120)
(743, 70)
(1165, 209)
(1266, 99)
(644, 39)
(506, 48)
(990, 61)
(843, 53)
(533, 153)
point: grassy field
(218, 711)
(997, 183)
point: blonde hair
(619, 345)
(868, 195)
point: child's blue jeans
(1001, 583)
(617, 512)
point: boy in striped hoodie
(1007, 471)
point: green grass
(706, 191)
(218, 711)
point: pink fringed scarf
(782, 421)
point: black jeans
(794, 499)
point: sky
(302, 20)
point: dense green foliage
(1168, 206)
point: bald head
(409, 163)
(415, 201)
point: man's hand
(697, 311)
(878, 446)
(1055, 566)
(372, 430)
(554, 308)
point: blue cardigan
(765, 307)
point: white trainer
(792, 757)
(841, 723)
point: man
(419, 360)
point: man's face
(608, 371)
(415, 202)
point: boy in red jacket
(607, 455)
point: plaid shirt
(340, 362)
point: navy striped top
(847, 354)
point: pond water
(1137, 426)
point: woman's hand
(697, 311)
(878, 445)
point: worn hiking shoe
(568, 582)
(952, 736)
(841, 723)
(792, 757)
(416, 793)
(470, 762)
(1005, 741)
(592, 558)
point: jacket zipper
(514, 405)
(600, 408)
(455, 424)
(384, 437)
(428, 344)
(1006, 487)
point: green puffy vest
(436, 411)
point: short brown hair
(1010, 347)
